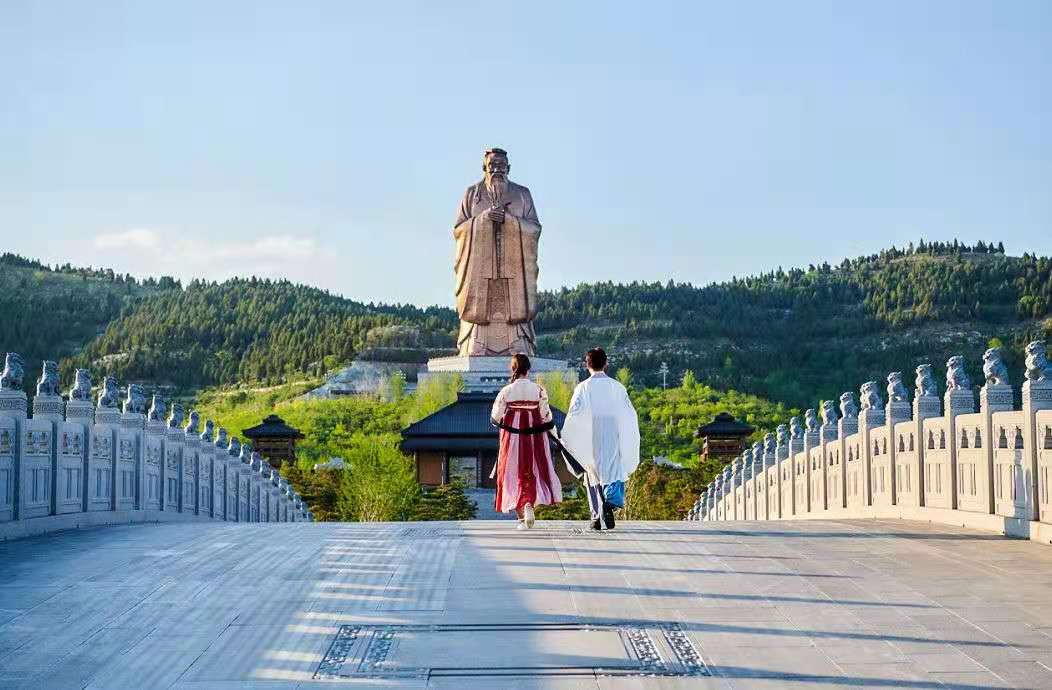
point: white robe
(602, 430)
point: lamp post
(664, 375)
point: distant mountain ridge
(790, 335)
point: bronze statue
(496, 233)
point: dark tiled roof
(724, 424)
(272, 427)
(463, 425)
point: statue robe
(492, 289)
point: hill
(793, 336)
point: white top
(602, 429)
(521, 390)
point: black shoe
(596, 526)
(608, 516)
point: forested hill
(791, 335)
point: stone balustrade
(939, 460)
(77, 462)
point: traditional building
(274, 439)
(723, 438)
(458, 442)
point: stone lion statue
(925, 382)
(870, 396)
(14, 372)
(209, 431)
(896, 388)
(757, 451)
(795, 431)
(81, 389)
(782, 435)
(176, 416)
(234, 446)
(1037, 366)
(48, 383)
(221, 439)
(956, 376)
(848, 406)
(135, 400)
(811, 420)
(994, 370)
(157, 408)
(770, 441)
(829, 415)
(109, 395)
(192, 422)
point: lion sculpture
(192, 422)
(135, 400)
(925, 382)
(956, 376)
(14, 372)
(221, 439)
(870, 396)
(829, 415)
(233, 446)
(811, 421)
(209, 431)
(896, 388)
(782, 435)
(848, 406)
(109, 396)
(994, 370)
(757, 452)
(157, 408)
(1037, 366)
(48, 383)
(176, 416)
(795, 431)
(81, 389)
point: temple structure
(724, 437)
(274, 439)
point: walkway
(817, 604)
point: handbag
(614, 494)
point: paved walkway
(446, 605)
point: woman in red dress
(525, 474)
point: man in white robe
(602, 432)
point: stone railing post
(926, 405)
(958, 400)
(199, 485)
(176, 460)
(784, 461)
(827, 442)
(160, 482)
(797, 468)
(225, 484)
(770, 476)
(39, 476)
(846, 426)
(244, 496)
(75, 446)
(1037, 396)
(871, 416)
(233, 480)
(131, 477)
(13, 414)
(993, 397)
(813, 502)
(102, 462)
(896, 411)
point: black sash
(575, 467)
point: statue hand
(495, 215)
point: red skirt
(525, 473)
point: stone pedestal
(196, 501)
(490, 374)
(956, 402)
(1037, 396)
(13, 411)
(72, 457)
(868, 419)
(924, 407)
(37, 468)
(895, 412)
(992, 398)
(157, 478)
(130, 476)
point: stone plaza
(477, 606)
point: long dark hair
(520, 366)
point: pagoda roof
(724, 424)
(272, 426)
(460, 426)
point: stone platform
(490, 374)
(477, 605)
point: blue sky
(330, 142)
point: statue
(234, 447)
(14, 372)
(870, 397)
(1037, 366)
(769, 442)
(925, 382)
(81, 389)
(192, 422)
(811, 421)
(782, 434)
(896, 388)
(829, 415)
(496, 233)
(795, 432)
(209, 432)
(157, 408)
(221, 439)
(48, 383)
(848, 407)
(956, 377)
(994, 369)
(175, 417)
(135, 401)
(109, 395)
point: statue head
(495, 165)
(81, 389)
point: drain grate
(528, 649)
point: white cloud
(136, 238)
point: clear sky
(330, 142)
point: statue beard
(496, 185)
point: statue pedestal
(489, 374)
